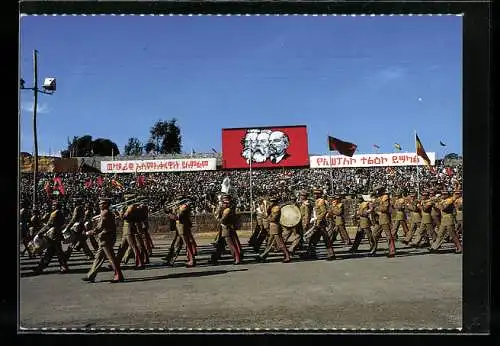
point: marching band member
(106, 232)
(447, 226)
(382, 206)
(227, 220)
(364, 225)
(275, 230)
(425, 230)
(459, 205)
(337, 211)
(80, 240)
(129, 214)
(414, 206)
(399, 215)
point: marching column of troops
(425, 222)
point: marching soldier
(176, 244)
(399, 215)
(226, 218)
(148, 241)
(106, 232)
(319, 231)
(337, 210)
(36, 224)
(435, 213)
(447, 225)
(264, 232)
(364, 225)
(24, 219)
(297, 232)
(413, 205)
(129, 214)
(258, 226)
(459, 212)
(89, 213)
(425, 229)
(80, 241)
(52, 232)
(141, 237)
(382, 206)
(275, 231)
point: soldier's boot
(357, 241)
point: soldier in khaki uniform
(275, 231)
(183, 224)
(425, 229)
(264, 233)
(435, 213)
(176, 244)
(106, 232)
(89, 214)
(382, 207)
(399, 218)
(24, 219)
(226, 218)
(447, 225)
(141, 237)
(364, 225)
(297, 233)
(80, 241)
(337, 210)
(413, 205)
(459, 206)
(52, 231)
(129, 215)
(258, 226)
(319, 217)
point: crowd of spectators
(204, 187)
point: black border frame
(477, 113)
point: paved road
(413, 290)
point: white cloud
(386, 75)
(42, 108)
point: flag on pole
(58, 185)
(397, 146)
(47, 188)
(442, 144)
(421, 151)
(345, 148)
(215, 151)
(376, 146)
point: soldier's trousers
(295, 239)
(54, 248)
(360, 234)
(175, 248)
(424, 231)
(412, 228)
(143, 249)
(340, 229)
(93, 242)
(255, 234)
(277, 240)
(104, 252)
(377, 231)
(263, 235)
(443, 230)
(128, 240)
(320, 232)
(396, 225)
(80, 243)
(232, 243)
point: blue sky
(368, 80)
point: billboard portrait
(265, 147)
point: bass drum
(290, 215)
(38, 244)
(69, 235)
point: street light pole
(35, 138)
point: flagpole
(331, 172)
(418, 168)
(251, 195)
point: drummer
(275, 230)
(79, 239)
(52, 233)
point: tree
(451, 156)
(84, 147)
(165, 137)
(149, 147)
(133, 147)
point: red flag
(140, 181)
(345, 148)
(99, 181)
(58, 185)
(47, 188)
(88, 183)
(421, 151)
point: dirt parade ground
(414, 290)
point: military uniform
(399, 218)
(413, 205)
(459, 215)
(364, 226)
(447, 225)
(425, 229)
(297, 232)
(435, 213)
(258, 226)
(52, 231)
(183, 227)
(382, 206)
(140, 236)
(264, 232)
(177, 242)
(88, 225)
(275, 232)
(227, 220)
(80, 241)
(319, 216)
(106, 232)
(337, 210)
(129, 214)
(24, 219)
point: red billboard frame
(268, 146)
